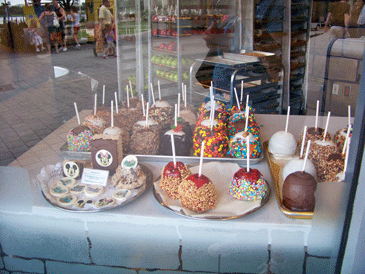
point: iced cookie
(94, 191)
(81, 203)
(122, 194)
(78, 188)
(67, 182)
(72, 169)
(67, 200)
(105, 202)
(58, 190)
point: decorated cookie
(67, 200)
(94, 190)
(77, 189)
(122, 194)
(82, 202)
(67, 182)
(58, 190)
(105, 202)
(72, 169)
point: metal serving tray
(76, 155)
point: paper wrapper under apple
(221, 174)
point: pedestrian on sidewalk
(35, 38)
(110, 39)
(339, 18)
(76, 25)
(61, 14)
(46, 20)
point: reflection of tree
(66, 4)
(126, 3)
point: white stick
(241, 90)
(201, 158)
(248, 152)
(346, 157)
(247, 100)
(347, 140)
(153, 95)
(349, 114)
(182, 91)
(287, 120)
(326, 128)
(212, 115)
(247, 113)
(175, 115)
(116, 101)
(95, 103)
(211, 91)
(143, 109)
(103, 94)
(306, 155)
(159, 90)
(127, 96)
(303, 141)
(77, 114)
(238, 102)
(147, 115)
(317, 112)
(178, 104)
(130, 84)
(173, 149)
(112, 114)
(185, 101)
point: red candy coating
(199, 181)
(252, 175)
(171, 171)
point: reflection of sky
(21, 2)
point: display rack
(300, 32)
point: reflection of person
(219, 37)
(361, 23)
(46, 19)
(38, 10)
(110, 39)
(76, 24)
(35, 38)
(61, 17)
(339, 16)
(105, 16)
(355, 14)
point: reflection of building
(92, 9)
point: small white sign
(335, 89)
(95, 176)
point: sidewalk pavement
(33, 103)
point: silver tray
(225, 200)
(85, 155)
(50, 174)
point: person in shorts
(46, 20)
(76, 25)
(110, 39)
(61, 14)
(339, 17)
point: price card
(95, 176)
